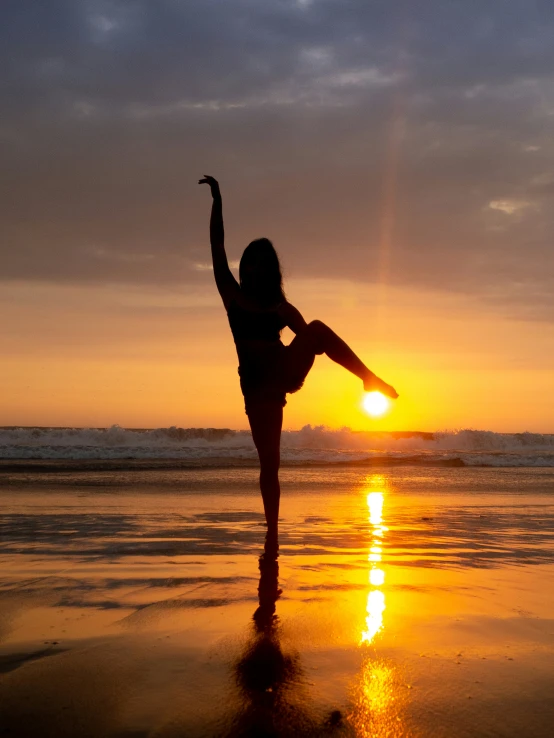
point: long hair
(266, 286)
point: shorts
(269, 380)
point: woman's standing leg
(266, 421)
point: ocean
(309, 446)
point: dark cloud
(406, 141)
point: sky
(400, 156)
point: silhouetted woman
(258, 310)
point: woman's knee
(269, 466)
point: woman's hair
(265, 286)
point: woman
(258, 310)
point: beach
(406, 601)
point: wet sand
(407, 602)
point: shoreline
(26, 466)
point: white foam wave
(308, 445)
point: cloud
(406, 142)
(511, 207)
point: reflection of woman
(258, 310)
(264, 667)
(270, 679)
(272, 684)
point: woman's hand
(214, 184)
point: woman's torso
(257, 334)
(252, 326)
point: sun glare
(375, 403)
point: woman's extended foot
(373, 384)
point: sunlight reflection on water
(376, 483)
(376, 695)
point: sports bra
(254, 325)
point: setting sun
(375, 403)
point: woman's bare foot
(374, 384)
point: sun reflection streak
(374, 619)
(378, 699)
(376, 577)
(377, 703)
(375, 598)
(375, 505)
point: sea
(311, 445)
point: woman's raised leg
(266, 421)
(318, 338)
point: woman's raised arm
(226, 284)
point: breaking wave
(310, 445)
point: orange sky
(91, 356)
(401, 159)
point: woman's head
(260, 273)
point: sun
(375, 403)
